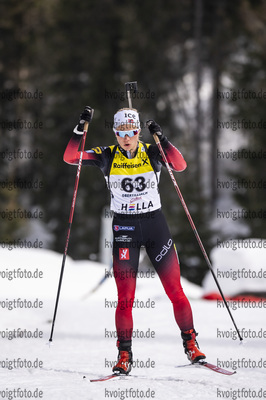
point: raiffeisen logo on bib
(125, 165)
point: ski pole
(86, 124)
(96, 287)
(157, 141)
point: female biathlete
(132, 171)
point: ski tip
(203, 363)
(216, 368)
(107, 377)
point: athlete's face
(128, 143)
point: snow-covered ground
(240, 267)
(82, 342)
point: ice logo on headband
(126, 118)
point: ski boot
(124, 359)
(191, 346)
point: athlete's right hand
(85, 116)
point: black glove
(86, 115)
(154, 128)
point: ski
(107, 377)
(212, 367)
(200, 364)
(217, 369)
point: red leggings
(150, 230)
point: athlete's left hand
(154, 128)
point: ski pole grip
(155, 136)
(86, 125)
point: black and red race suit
(138, 221)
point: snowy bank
(240, 267)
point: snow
(81, 347)
(238, 270)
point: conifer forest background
(201, 72)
